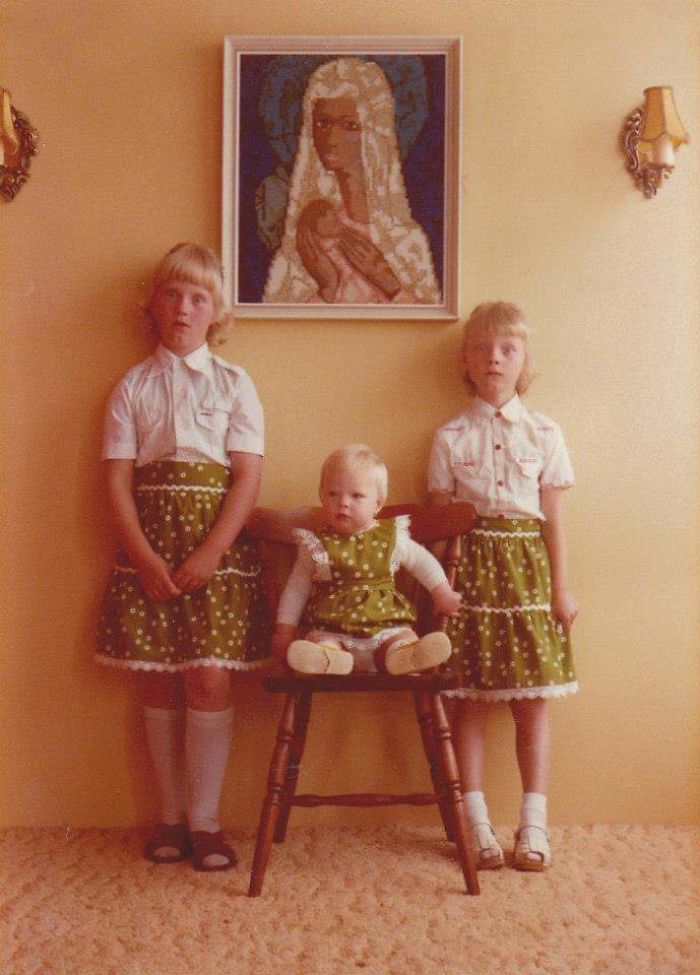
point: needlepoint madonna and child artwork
(340, 182)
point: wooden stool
(428, 525)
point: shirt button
(499, 483)
(498, 414)
(497, 446)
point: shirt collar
(511, 411)
(199, 360)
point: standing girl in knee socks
(184, 608)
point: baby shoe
(313, 658)
(430, 651)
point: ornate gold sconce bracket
(18, 144)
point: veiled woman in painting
(349, 237)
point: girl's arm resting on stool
(564, 606)
(437, 499)
(278, 526)
(200, 566)
(152, 569)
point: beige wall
(126, 96)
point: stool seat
(292, 683)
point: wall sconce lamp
(650, 136)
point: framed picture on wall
(341, 177)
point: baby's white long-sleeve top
(408, 555)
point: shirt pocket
(472, 476)
(149, 418)
(214, 415)
(525, 463)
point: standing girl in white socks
(184, 608)
(511, 635)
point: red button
(499, 483)
(498, 413)
(497, 446)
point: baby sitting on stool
(342, 585)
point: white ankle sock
(164, 727)
(476, 807)
(533, 811)
(207, 743)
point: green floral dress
(359, 596)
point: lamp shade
(661, 119)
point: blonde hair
(499, 318)
(357, 457)
(199, 266)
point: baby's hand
(280, 640)
(446, 602)
(564, 609)
(156, 580)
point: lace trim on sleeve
(403, 534)
(313, 545)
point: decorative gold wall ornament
(18, 143)
(650, 136)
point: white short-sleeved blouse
(198, 407)
(499, 459)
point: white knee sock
(476, 807)
(207, 743)
(164, 727)
(533, 811)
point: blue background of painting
(423, 170)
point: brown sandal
(211, 844)
(175, 836)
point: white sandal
(532, 851)
(489, 855)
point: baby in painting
(321, 235)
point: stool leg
(455, 799)
(275, 786)
(427, 733)
(295, 756)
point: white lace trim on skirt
(129, 570)
(199, 489)
(508, 610)
(513, 693)
(493, 533)
(121, 664)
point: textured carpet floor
(619, 901)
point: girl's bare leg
(532, 743)
(470, 742)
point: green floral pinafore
(357, 594)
